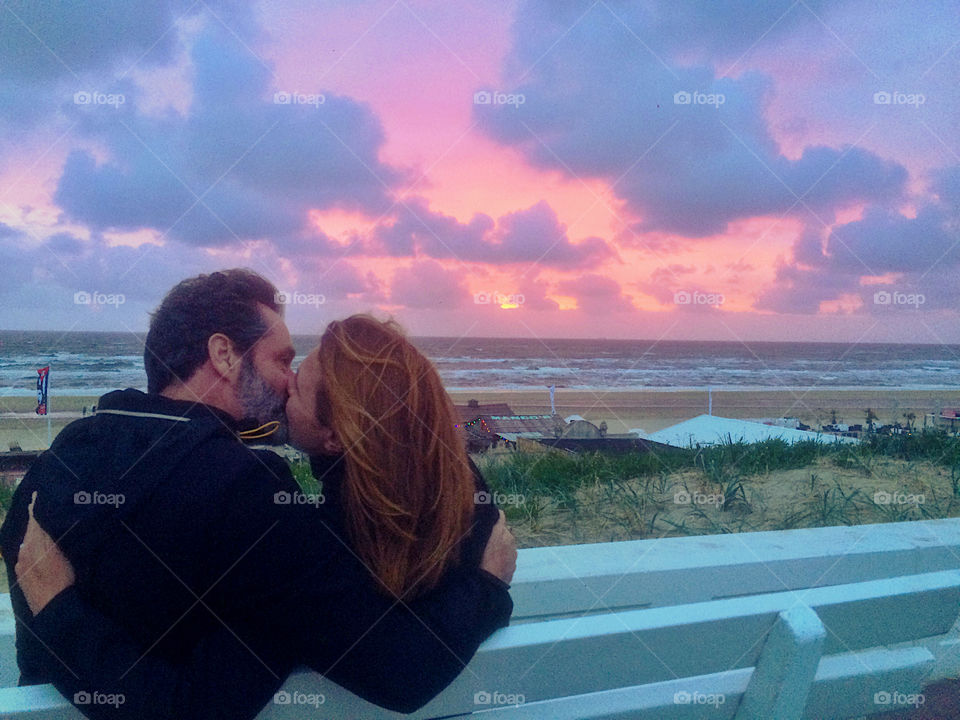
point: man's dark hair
(222, 302)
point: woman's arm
(400, 653)
(423, 644)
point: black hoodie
(204, 575)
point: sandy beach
(653, 410)
(649, 410)
(20, 425)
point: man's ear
(223, 357)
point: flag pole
(49, 430)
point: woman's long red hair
(408, 490)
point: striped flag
(43, 374)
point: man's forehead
(273, 320)
(277, 333)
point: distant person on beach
(194, 572)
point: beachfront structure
(948, 419)
(583, 429)
(713, 430)
(511, 427)
(495, 424)
(473, 409)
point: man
(176, 534)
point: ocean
(92, 363)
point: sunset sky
(663, 169)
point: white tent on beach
(712, 430)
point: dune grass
(560, 498)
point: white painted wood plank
(847, 685)
(713, 697)
(36, 702)
(9, 672)
(304, 688)
(575, 656)
(840, 690)
(946, 653)
(582, 655)
(554, 581)
(781, 679)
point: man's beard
(260, 402)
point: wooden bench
(815, 623)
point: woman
(408, 488)
(398, 494)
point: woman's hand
(500, 555)
(43, 572)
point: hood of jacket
(103, 467)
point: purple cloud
(428, 285)
(688, 151)
(533, 235)
(241, 166)
(596, 295)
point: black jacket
(204, 575)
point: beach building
(948, 419)
(496, 425)
(473, 409)
(713, 430)
(583, 429)
(532, 427)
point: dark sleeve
(486, 514)
(224, 676)
(235, 667)
(401, 654)
(305, 599)
(395, 653)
